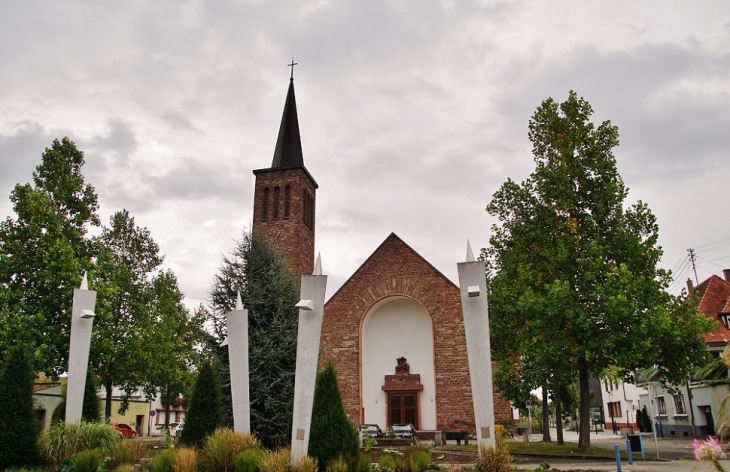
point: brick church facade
(394, 330)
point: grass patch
(548, 449)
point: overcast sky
(412, 114)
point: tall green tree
(206, 409)
(575, 283)
(332, 434)
(270, 292)
(127, 260)
(18, 424)
(43, 253)
(176, 337)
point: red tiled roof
(714, 299)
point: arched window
(287, 201)
(277, 191)
(265, 205)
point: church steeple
(285, 194)
(288, 151)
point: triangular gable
(714, 299)
(388, 259)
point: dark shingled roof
(288, 152)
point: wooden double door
(403, 408)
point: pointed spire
(318, 266)
(469, 253)
(239, 303)
(84, 282)
(288, 151)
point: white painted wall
(397, 327)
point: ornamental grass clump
(248, 461)
(87, 461)
(63, 440)
(276, 461)
(186, 460)
(127, 452)
(494, 459)
(305, 464)
(221, 448)
(162, 462)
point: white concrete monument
(311, 309)
(473, 285)
(82, 320)
(237, 322)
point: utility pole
(693, 259)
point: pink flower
(710, 449)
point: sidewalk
(676, 454)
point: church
(394, 330)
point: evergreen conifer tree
(331, 435)
(18, 424)
(205, 413)
(91, 409)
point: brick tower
(285, 195)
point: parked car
(371, 430)
(404, 430)
(125, 430)
(176, 428)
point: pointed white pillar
(237, 340)
(311, 309)
(473, 285)
(82, 321)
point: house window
(265, 205)
(661, 406)
(614, 409)
(277, 191)
(679, 404)
(287, 201)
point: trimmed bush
(18, 424)
(331, 435)
(206, 411)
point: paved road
(675, 455)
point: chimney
(726, 273)
(690, 285)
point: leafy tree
(576, 286)
(176, 337)
(43, 253)
(206, 410)
(270, 292)
(127, 258)
(18, 424)
(331, 434)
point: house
(695, 409)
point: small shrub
(386, 462)
(222, 447)
(306, 464)
(162, 462)
(128, 452)
(87, 461)
(364, 463)
(247, 461)
(338, 465)
(494, 459)
(186, 460)
(418, 459)
(276, 461)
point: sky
(412, 114)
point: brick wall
(396, 269)
(293, 234)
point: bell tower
(285, 195)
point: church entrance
(403, 409)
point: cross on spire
(292, 68)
